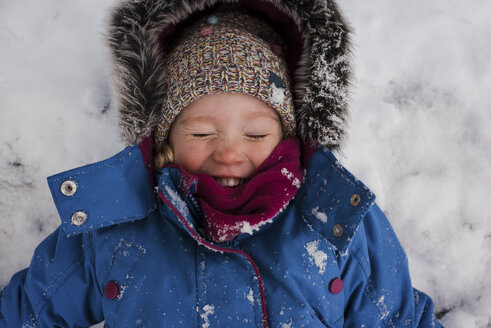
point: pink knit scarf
(229, 212)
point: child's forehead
(234, 105)
(231, 102)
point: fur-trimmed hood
(319, 60)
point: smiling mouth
(229, 182)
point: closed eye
(201, 135)
(257, 136)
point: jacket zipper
(203, 242)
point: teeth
(229, 182)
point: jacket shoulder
(332, 200)
(112, 191)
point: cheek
(257, 154)
(189, 156)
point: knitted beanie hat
(227, 52)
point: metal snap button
(79, 218)
(68, 188)
(337, 230)
(355, 200)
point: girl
(240, 216)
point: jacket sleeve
(378, 287)
(58, 289)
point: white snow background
(419, 137)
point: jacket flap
(335, 201)
(104, 193)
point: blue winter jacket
(330, 259)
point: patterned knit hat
(227, 52)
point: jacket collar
(332, 200)
(105, 193)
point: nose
(229, 154)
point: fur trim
(321, 80)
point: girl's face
(226, 135)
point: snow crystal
(319, 215)
(246, 228)
(123, 243)
(318, 257)
(287, 325)
(250, 296)
(32, 324)
(203, 265)
(208, 310)
(177, 201)
(384, 312)
(278, 95)
(122, 289)
(289, 175)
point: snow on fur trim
(321, 80)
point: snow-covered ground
(420, 134)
